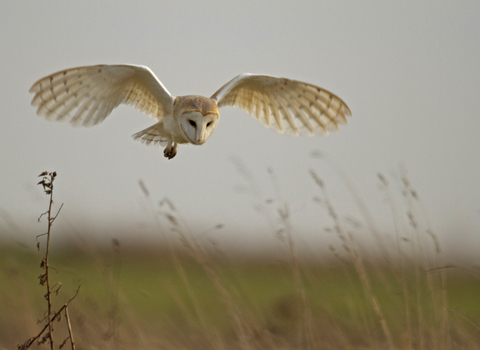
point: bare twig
(47, 183)
(30, 341)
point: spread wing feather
(85, 96)
(296, 107)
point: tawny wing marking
(287, 106)
(85, 96)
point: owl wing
(285, 105)
(85, 96)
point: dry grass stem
(349, 246)
(366, 288)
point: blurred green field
(135, 298)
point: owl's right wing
(85, 96)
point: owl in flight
(85, 96)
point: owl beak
(197, 137)
(200, 137)
(202, 134)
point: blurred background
(409, 71)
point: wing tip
(347, 111)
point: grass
(154, 298)
(192, 297)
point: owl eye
(192, 123)
(208, 124)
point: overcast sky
(408, 70)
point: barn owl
(85, 96)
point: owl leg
(171, 150)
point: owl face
(197, 127)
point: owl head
(198, 117)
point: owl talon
(171, 150)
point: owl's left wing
(284, 105)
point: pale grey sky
(408, 70)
